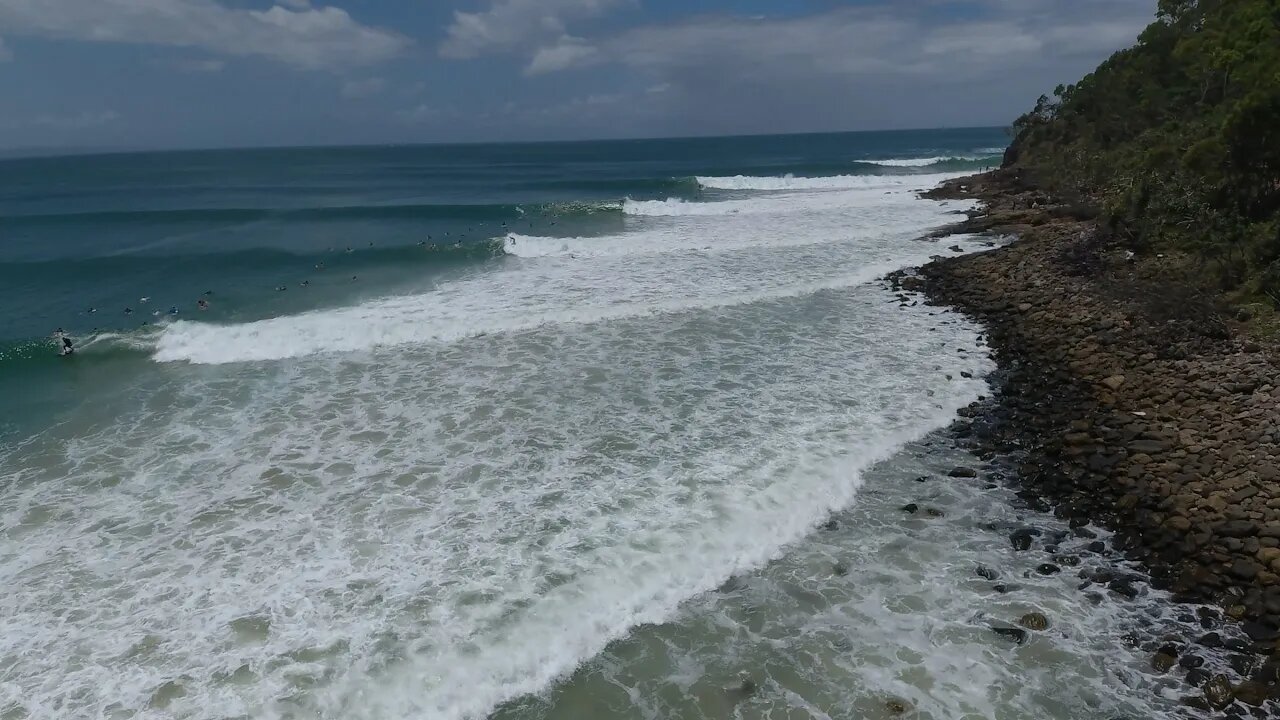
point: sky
(228, 73)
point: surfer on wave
(65, 346)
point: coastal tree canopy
(1177, 138)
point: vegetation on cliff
(1176, 141)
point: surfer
(65, 346)
(173, 310)
(202, 304)
(128, 311)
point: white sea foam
(784, 247)
(441, 502)
(912, 162)
(836, 182)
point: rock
(1238, 529)
(1017, 635)
(840, 569)
(1048, 569)
(934, 512)
(1252, 693)
(963, 472)
(910, 508)
(747, 686)
(1190, 662)
(985, 572)
(1163, 661)
(896, 707)
(1114, 382)
(832, 524)
(1021, 539)
(1259, 631)
(1123, 587)
(1244, 569)
(1218, 692)
(1034, 621)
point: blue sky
(216, 73)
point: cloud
(883, 40)
(354, 89)
(876, 65)
(513, 25)
(305, 37)
(565, 54)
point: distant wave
(833, 182)
(930, 161)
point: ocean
(571, 430)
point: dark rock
(985, 572)
(963, 472)
(911, 508)
(1197, 677)
(1048, 569)
(840, 569)
(1218, 692)
(1017, 635)
(1252, 693)
(1236, 645)
(1259, 631)
(1237, 529)
(1163, 661)
(831, 524)
(1244, 569)
(1123, 587)
(1097, 546)
(1021, 539)
(1190, 662)
(896, 707)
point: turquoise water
(522, 431)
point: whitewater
(588, 478)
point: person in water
(202, 304)
(65, 346)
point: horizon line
(38, 152)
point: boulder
(1034, 621)
(1114, 382)
(1218, 692)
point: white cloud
(566, 53)
(311, 38)
(354, 89)
(513, 25)
(880, 41)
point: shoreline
(1129, 401)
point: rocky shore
(1131, 399)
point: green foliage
(1177, 139)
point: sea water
(510, 431)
